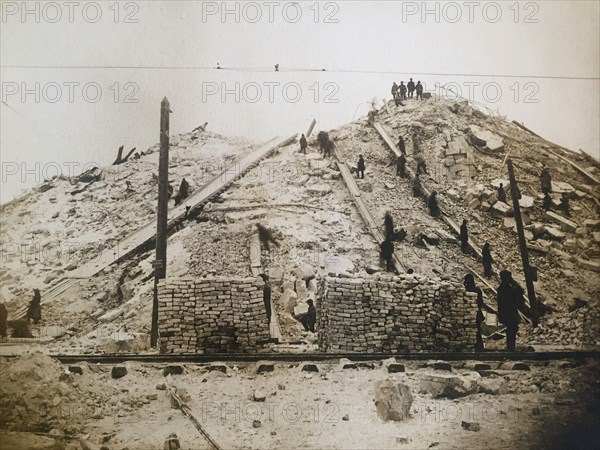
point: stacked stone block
(212, 315)
(395, 314)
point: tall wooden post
(523, 245)
(160, 263)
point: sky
(81, 78)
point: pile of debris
(37, 394)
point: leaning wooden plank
(188, 413)
(147, 233)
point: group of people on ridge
(403, 91)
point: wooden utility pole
(160, 263)
(523, 245)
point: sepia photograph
(299, 225)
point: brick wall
(212, 315)
(404, 313)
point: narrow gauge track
(312, 357)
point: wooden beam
(533, 304)
(160, 266)
(187, 412)
(311, 128)
(363, 210)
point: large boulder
(560, 187)
(304, 272)
(118, 372)
(501, 209)
(289, 299)
(110, 315)
(127, 290)
(486, 139)
(526, 202)
(493, 386)
(392, 400)
(450, 385)
(458, 146)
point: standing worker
(546, 180)
(564, 204)
(34, 312)
(360, 167)
(311, 317)
(267, 295)
(402, 89)
(421, 164)
(501, 193)
(388, 224)
(434, 208)
(547, 202)
(470, 286)
(303, 144)
(183, 193)
(401, 166)
(487, 260)
(419, 89)
(464, 236)
(417, 189)
(509, 297)
(401, 145)
(411, 87)
(387, 252)
(394, 90)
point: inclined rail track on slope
(324, 357)
(362, 207)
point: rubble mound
(36, 394)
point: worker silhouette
(303, 144)
(361, 167)
(401, 145)
(411, 87)
(434, 208)
(387, 253)
(501, 193)
(34, 311)
(470, 286)
(419, 90)
(546, 180)
(487, 260)
(402, 90)
(509, 297)
(401, 166)
(464, 237)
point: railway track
(315, 357)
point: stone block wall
(390, 314)
(212, 315)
